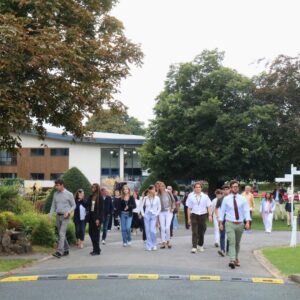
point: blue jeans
(105, 227)
(150, 228)
(126, 220)
(222, 239)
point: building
(102, 156)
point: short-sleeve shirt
(198, 203)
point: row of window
(33, 176)
(10, 159)
(53, 152)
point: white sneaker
(200, 249)
(194, 250)
(129, 243)
(103, 242)
(154, 248)
(148, 249)
(125, 245)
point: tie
(236, 211)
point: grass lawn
(285, 259)
(10, 264)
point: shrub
(30, 220)
(43, 234)
(71, 237)
(3, 223)
(10, 200)
(11, 219)
(74, 180)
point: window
(59, 152)
(37, 176)
(8, 175)
(54, 176)
(37, 152)
(7, 158)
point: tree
(115, 121)
(280, 85)
(209, 125)
(61, 60)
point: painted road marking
(204, 278)
(261, 280)
(143, 276)
(82, 276)
(267, 280)
(19, 278)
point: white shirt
(214, 203)
(137, 203)
(82, 212)
(198, 203)
(152, 205)
(227, 209)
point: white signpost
(290, 178)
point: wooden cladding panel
(27, 164)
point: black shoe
(57, 255)
(92, 252)
(66, 253)
(232, 265)
(221, 252)
(95, 253)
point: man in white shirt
(198, 205)
(236, 209)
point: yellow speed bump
(143, 276)
(267, 280)
(205, 278)
(19, 278)
(82, 276)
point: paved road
(117, 259)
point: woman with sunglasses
(79, 217)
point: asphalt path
(115, 259)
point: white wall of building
(87, 159)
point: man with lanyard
(236, 209)
(198, 204)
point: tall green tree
(209, 125)
(115, 121)
(61, 60)
(279, 85)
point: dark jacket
(108, 206)
(116, 205)
(131, 205)
(76, 217)
(280, 195)
(98, 210)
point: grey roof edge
(91, 140)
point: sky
(175, 31)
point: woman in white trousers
(267, 207)
(167, 203)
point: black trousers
(198, 229)
(187, 226)
(80, 229)
(94, 232)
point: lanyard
(151, 202)
(198, 199)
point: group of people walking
(230, 211)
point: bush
(11, 219)
(43, 234)
(10, 200)
(30, 220)
(71, 237)
(74, 180)
(3, 223)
